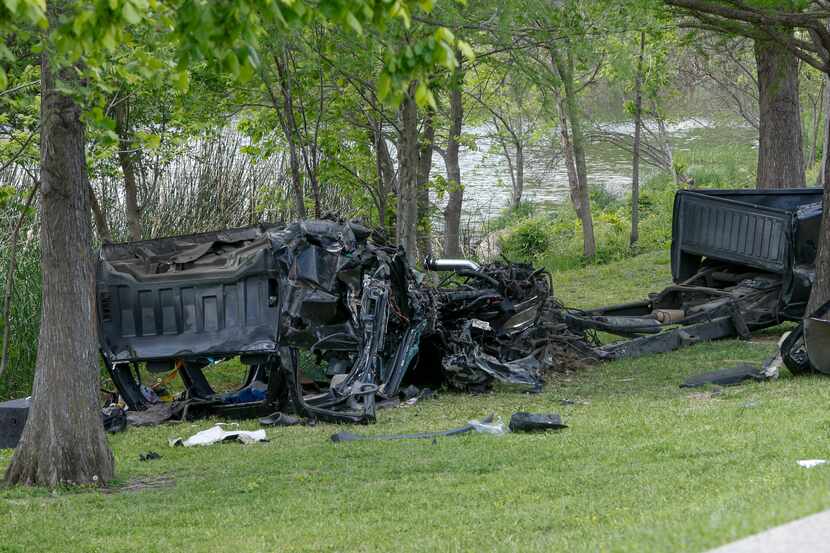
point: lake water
(486, 177)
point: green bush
(528, 238)
(554, 239)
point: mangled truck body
(329, 289)
(338, 295)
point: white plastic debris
(495, 427)
(481, 325)
(810, 463)
(216, 434)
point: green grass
(627, 280)
(644, 466)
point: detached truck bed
(766, 231)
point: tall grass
(25, 307)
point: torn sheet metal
(742, 372)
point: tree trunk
(64, 441)
(780, 147)
(820, 292)
(824, 170)
(519, 181)
(635, 169)
(579, 194)
(126, 158)
(101, 225)
(574, 141)
(818, 110)
(424, 166)
(385, 170)
(289, 129)
(452, 213)
(407, 211)
(665, 146)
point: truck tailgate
(732, 231)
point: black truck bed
(205, 294)
(773, 231)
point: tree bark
(820, 292)
(101, 225)
(407, 209)
(126, 158)
(425, 147)
(818, 111)
(579, 194)
(573, 142)
(452, 213)
(519, 181)
(824, 170)
(635, 169)
(288, 123)
(385, 170)
(64, 441)
(780, 143)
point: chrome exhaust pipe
(454, 265)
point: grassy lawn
(644, 466)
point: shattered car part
(739, 374)
(806, 349)
(742, 260)
(13, 415)
(535, 422)
(325, 289)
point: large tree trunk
(424, 166)
(407, 211)
(780, 147)
(635, 169)
(64, 441)
(821, 287)
(126, 158)
(824, 170)
(452, 213)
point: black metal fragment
(742, 372)
(535, 422)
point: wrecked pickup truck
(336, 295)
(331, 291)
